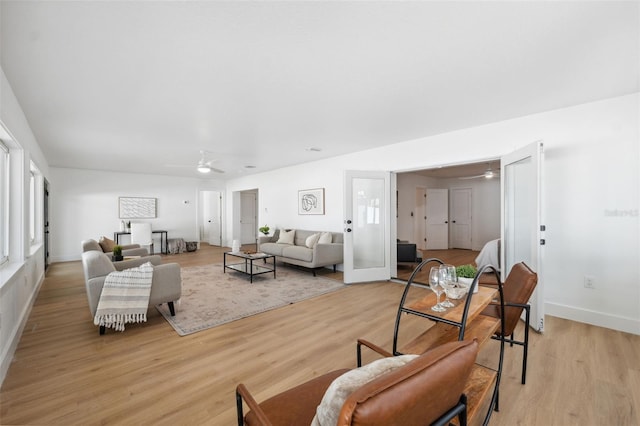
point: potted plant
(466, 273)
(117, 253)
(264, 229)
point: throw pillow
(325, 238)
(286, 237)
(106, 244)
(329, 409)
(312, 240)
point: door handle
(454, 221)
(446, 221)
(348, 229)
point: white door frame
(527, 245)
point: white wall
(84, 204)
(485, 205)
(591, 168)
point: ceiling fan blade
(471, 177)
(213, 169)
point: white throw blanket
(125, 297)
(489, 255)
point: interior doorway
(211, 217)
(473, 203)
(461, 218)
(45, 221)
(248, 217)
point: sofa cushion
(325, 238)
(286, 237)
(335, 396)
(298, 252)
(107, 244)
(312, 240)
(273, 248)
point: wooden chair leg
(103, 329)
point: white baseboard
(614, 322)
(68, 258)
(10, 349)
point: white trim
(614, 322)
(6, 357)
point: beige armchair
(107, 247)
(166, 286)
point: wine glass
(448, 280)
(434, 284)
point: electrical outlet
(589, 282)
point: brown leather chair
(518, 288)
(426, 390)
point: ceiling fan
(488, 174)
(203, 166)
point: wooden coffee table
(247, 266)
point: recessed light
(313, 149)
(249, 167)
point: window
(34, 203)
(4, 203)
(32, 206)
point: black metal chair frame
(525, 343)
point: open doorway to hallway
(210, 217)
(449, 212)
(249, 217)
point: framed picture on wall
(136, 207)
(311, 201)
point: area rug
(211, 297)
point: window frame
(4, 201)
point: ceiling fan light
(203, 168)
(488, 174)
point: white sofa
(318, 255)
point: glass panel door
(367, 226)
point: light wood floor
(65, 373)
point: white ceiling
(143, 86)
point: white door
(214, 218)
(521, 182)
(420, 219)
(367, 226)
(461, 218)
(248, 230)
(437, 219)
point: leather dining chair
(518, 288)
(422, 389)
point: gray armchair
(166, 286)
(127, 250)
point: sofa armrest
(264, 239)
(94, 289)
(328, 254)
(132, 263)
(139, 251)
(167, 283)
